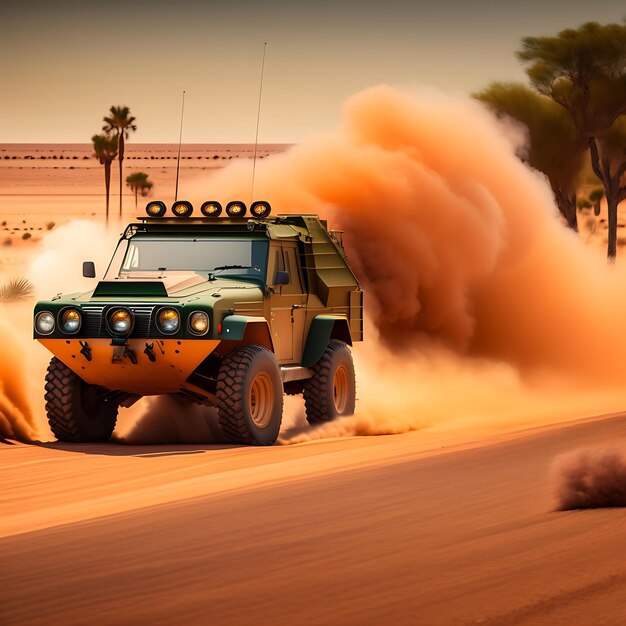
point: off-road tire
(77, 411)
(242, 371)
(320, 392)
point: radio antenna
(180, 141)
(258, 118)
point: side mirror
(282, 278)
(89, 269)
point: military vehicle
(230, 312)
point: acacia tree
(584, 71)
(122, 123)
(553, 143)
(139, 183)
(105, 148)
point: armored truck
(231, 312)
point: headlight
(120, 322)
(70, 321)
(168, 321)
(199, 323)
(44, 322)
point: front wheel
(331, 391)
(250, 396)
(77, 411)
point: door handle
(293, 308)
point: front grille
(94, 324)
(93, 321)
(143, 317)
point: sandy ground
(386, 530)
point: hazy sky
(63, 63)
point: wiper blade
(221, 268)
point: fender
(247, 329)
(323, 329)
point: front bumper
(141, 366)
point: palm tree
(105, 147)
(139, 183)
(123, 123)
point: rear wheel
(77, 411)
(250, 396)
(331, 391)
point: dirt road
(379, 530)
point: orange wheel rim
(261, 400)
(341, 389)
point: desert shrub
(16, 289)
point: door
(287, 303)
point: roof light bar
(260, 209)
(182, 208)
(211, 208)
(235, 209)
(156, 208)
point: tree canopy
(584, 71)
(139, 183)
(553, 147)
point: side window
(275, 264)
(291, 266)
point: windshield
(150, 256)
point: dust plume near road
(16, 418)
(57, 267)
(590, 478)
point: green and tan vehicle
(230, 312)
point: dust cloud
(486, 311)
(590, 479)
(169, 419)
(16, 417)
(57, 267)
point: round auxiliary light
(70, 321)
(236, 209)
(168, 321)
(182, 208)
(211, 208)
(44, 322)
(260, 209)
(199, 323)
(120, 322)
(156, 208)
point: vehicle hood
(179, 286)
